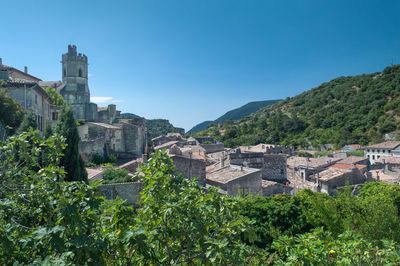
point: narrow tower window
(64, 72)
(80, 72)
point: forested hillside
(355, 109)
(234, 115)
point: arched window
(64, 72)
(80, 72)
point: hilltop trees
(72, 161)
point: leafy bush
(111, 175)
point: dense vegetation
(46, 220)
(156, 127)
(234, 115)
(11, 112)
(346, 110)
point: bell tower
(75, 77)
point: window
(35, 99)
(373, 157)
(80, 72)
(64, 72)
(367, 150)
(54, 116)
(377, 157)
(282, 171)
(368, 156)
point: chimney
(26, 69)
(221, 162)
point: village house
(384, 149)
(234, 180)
(176, 137)
(24, 88)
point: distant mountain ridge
(235, 114)
(156, 127)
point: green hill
(355, 109)
(234, 115)
(156, 127)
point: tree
(72, 161)
(181, 224)
(11, 112)
(56, 97)
(29, 122)
(48, 131)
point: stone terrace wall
(88, 148)
(127, 191)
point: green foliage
(80, 122)
(304, 154)
(72, 161)
(360, 153)
(11, 112)
(322, 248)
(29, 122)
(48, 132)
(275, 216)
(110, 160)
(358, 109)
(45, 220)
(183, 224)
(111, 176)
(322, 153)
(55, 97)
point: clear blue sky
(193, 60)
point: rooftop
(347, 166)
(166, 145)
(323, 161)
(104, 125)
(389, 159)
(352, 160)
(384, 145)
(229, 173)
(257, 148)
(330, 174)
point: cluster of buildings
(104, 131)
(267, 170)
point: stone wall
(248, 159)
(274, 167)
(127, 191)
(90, 147)
(274, 188)
(349, 178)
(131, 166)
(210, 148)
(190, 168)
(280, 150)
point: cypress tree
(72, 161)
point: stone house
(126, 139)
(385, 149)
(340, 175)
(34, 99)
(234, 180)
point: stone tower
(76, 90)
